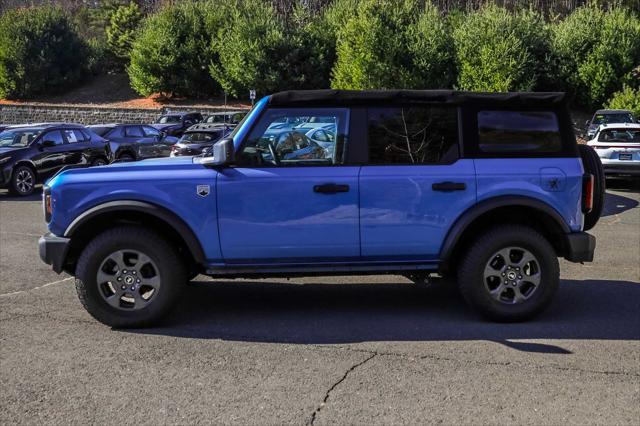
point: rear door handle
(449, 186)
(330, 188)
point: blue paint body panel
(401, 216)
(274, 214)
(169, 183)
(556, 182)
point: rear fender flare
(473, 213)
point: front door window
(285, 137)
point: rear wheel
(23, 181)
(126, 157)
(129, 277)
(592, 164)
(509, 274)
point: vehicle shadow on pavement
(254, 311)
(5, 195)
(616, 204)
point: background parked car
(618, 146)
(608, 116)
(228, 117)
(130, 142)
(175, 123)
(32, 153)
(198, 137)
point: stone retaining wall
(23, 114)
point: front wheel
(509, 274)
(23, 181)
(129, 277)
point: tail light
(587, 192)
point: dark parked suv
(31, 154)
(129, 142)
(175, 123)
(199, 137)
(487, 189)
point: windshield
(100, 131)
(620, 135)
(200, 137)
(169, 119)
(18, 138)
(613, 118)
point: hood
(126, 171)
(11, 149)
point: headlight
(4, 160)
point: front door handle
(330, 188)
(449, 186)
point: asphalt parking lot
(364, 350)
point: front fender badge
(203, 190)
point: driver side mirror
(47, 144)
(223, 154)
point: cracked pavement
(339, 350)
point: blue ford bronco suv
(486, 189)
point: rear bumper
(580, 247)
(53, 250)
(626, 168)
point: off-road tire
(471, 273)
(592, 164)
(171, 270)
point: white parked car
(618, 146)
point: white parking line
(20, 233)
(36, 288)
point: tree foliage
(393, 44)
(122, 29)
(172, 53)
(596, 51)
(40, 52)
(499, 51)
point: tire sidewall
(14, 180)
(92, 259)
(474, 290)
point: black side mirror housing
(223, 154)
(47, 144)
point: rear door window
(519, 132)
(413, 135)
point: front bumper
(580, 247)
(53, 250)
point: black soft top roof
(367, 97)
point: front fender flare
(192, 242)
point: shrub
(122, 29)
(39, 52)
(172, 52)
(499, 51)
(390, 44)
(627, 98)
(306, 53)
(596, 52)
(249, 44)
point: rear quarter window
(518, 132)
